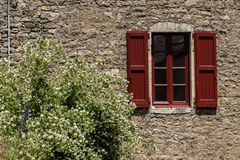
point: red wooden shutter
(137, 50)
(206, 69)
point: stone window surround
(173, 27)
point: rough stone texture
(97, 29)
(199, 135)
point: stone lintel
(171, 27)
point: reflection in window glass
(159, 50)
(178, 50)
(159, 42)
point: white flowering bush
(54, 107)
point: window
(170, 52)
(169, 79)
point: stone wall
(3, 28)
(97, 29)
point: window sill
(167, 110)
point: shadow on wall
(206, 111)
(198, 111)
(140, 112)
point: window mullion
(186, 67)
(170, 70)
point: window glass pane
(159, 50)
(178, 60)
(179, 93)
(161, 93)
(179, 76)
(159, 60)
(160, 76)
(178, 50)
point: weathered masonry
(180, 56)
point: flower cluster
(73, 111)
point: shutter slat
(137, 49)
(206, 69)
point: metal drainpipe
(9, 33)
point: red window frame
(169, 71)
